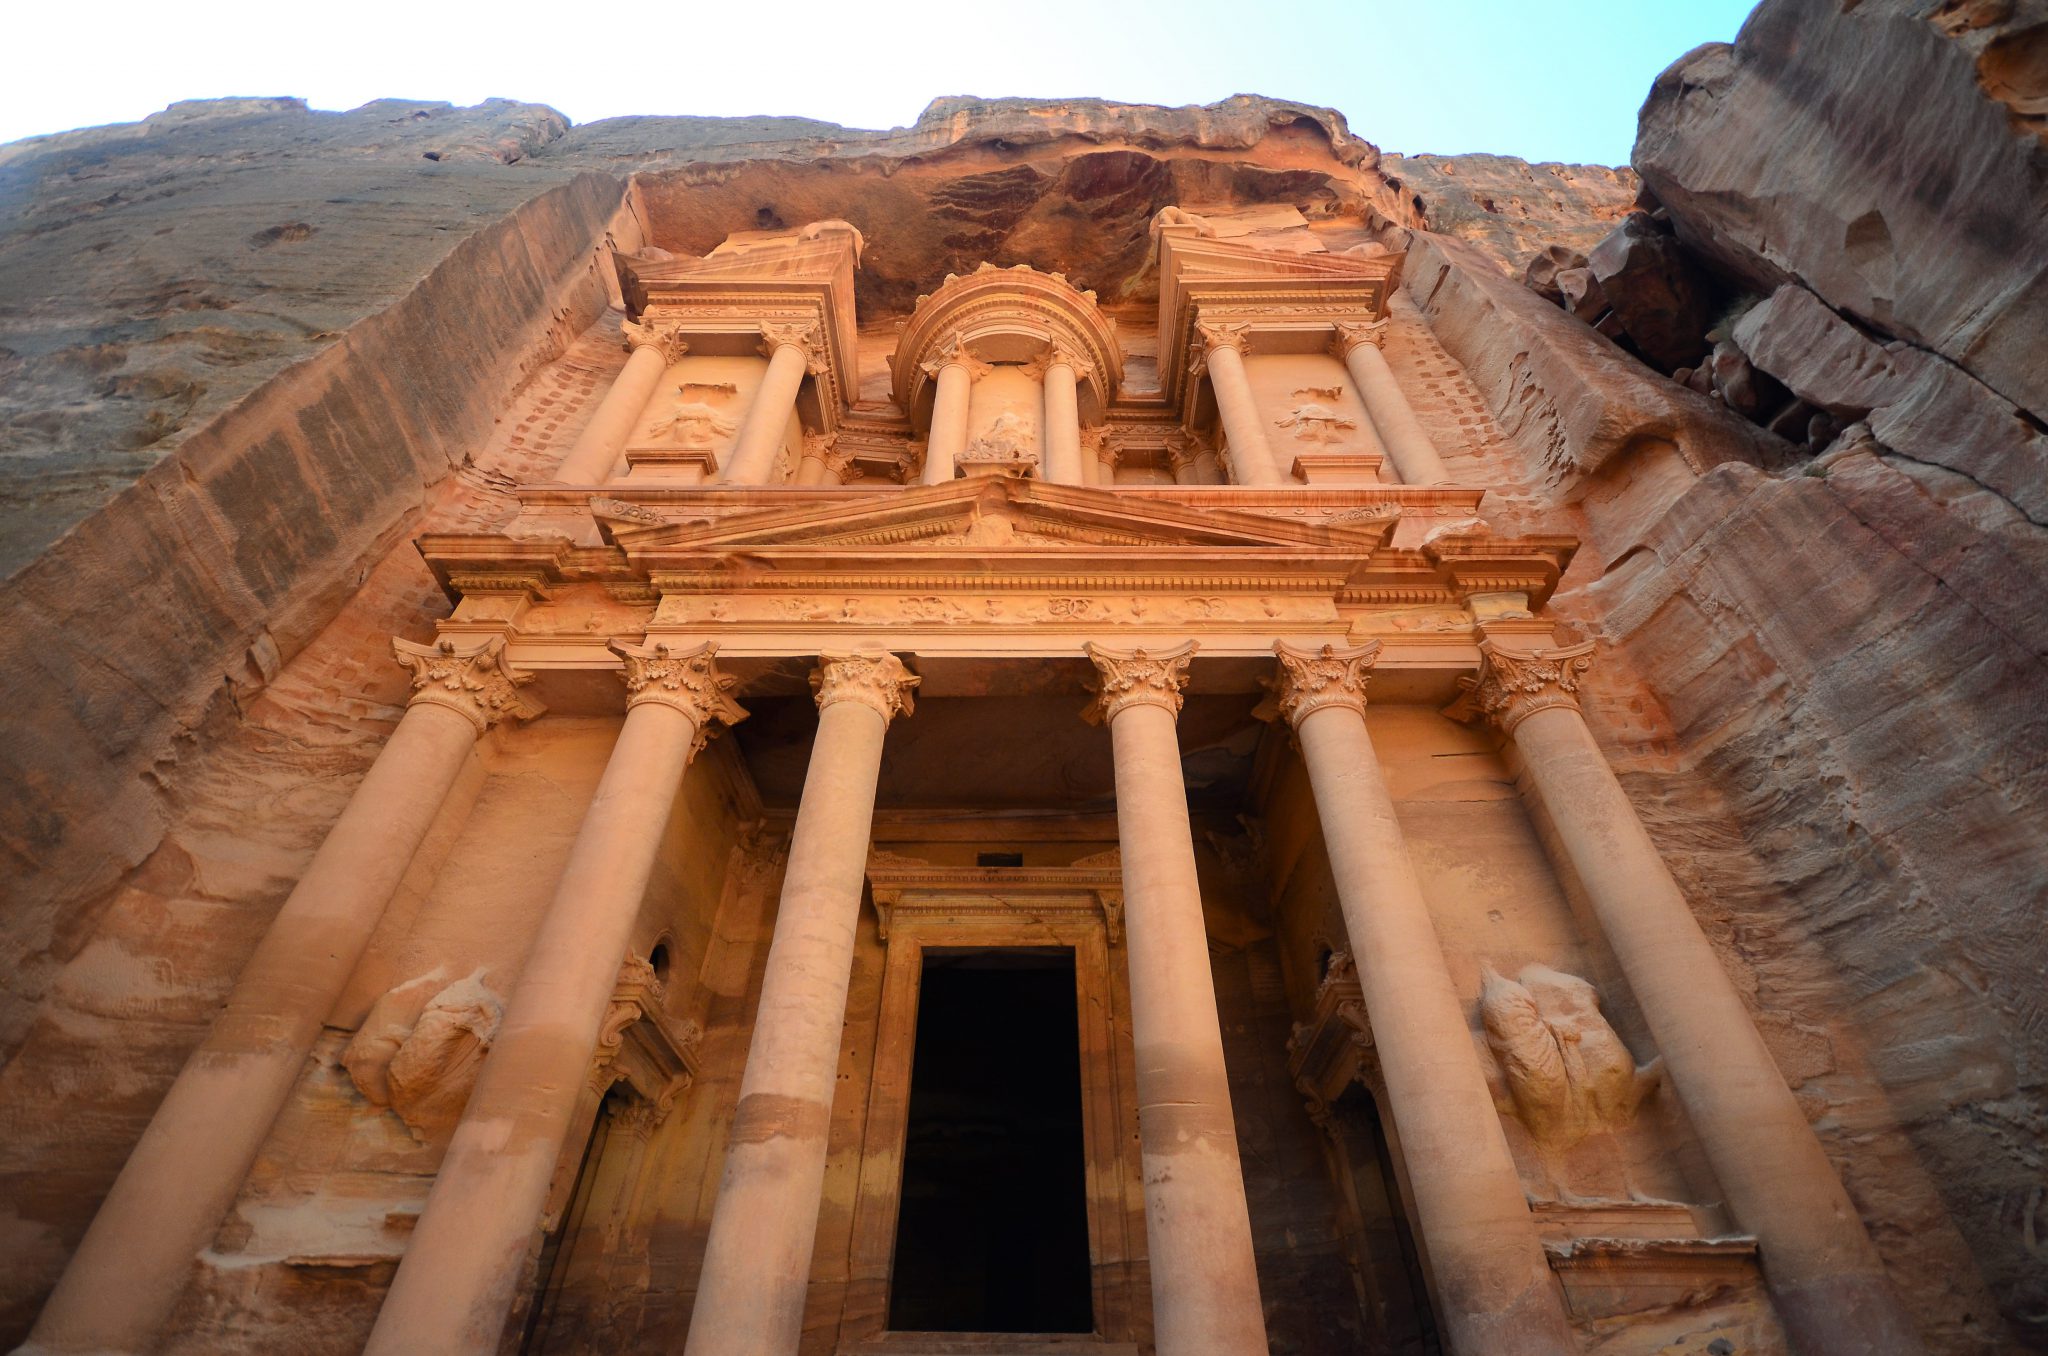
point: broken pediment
(1012, 513)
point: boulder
(1662, 299)
(1915, 200)
(1540, 274)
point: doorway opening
(992, 1225)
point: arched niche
(1008, 316)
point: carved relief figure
(421, 1047)
(1315, 422)
(1568, 1073)
(694, 425)
(1008, 446)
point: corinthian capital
(1127, 678)
(687, 680)
(879, 682)
(1514, 685)
(475, 682)
(1310, 680)
(1061, 354)
(1349, 334)
(803, 336)
(666, 339)
(1235, 335)
(951, 351)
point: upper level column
(1415, 456)
(654, 349)
(181, 1179)
(1822, 1269)
(1494, 1289)
(1205, 1283)
(954, 369)
(1250, 455)
(461, 1270)
(793, 351)
(757, 1260)
(1063, 418)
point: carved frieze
(476, 682)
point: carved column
(1823, 1272)
(1100, 453)
(182, 1177)
(1415, 456)
(1192, 462)
(823, 463)
(954, 369)
(1063, 419)
(654, 349)
(792, 352)
(1205, 1285)
(1494, 1288)
(456, 1282)
(757, 1261)
(1251, 456)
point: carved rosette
(476, 683)
(666, 339)
(1514, 685)
(879, 682)
(1349, 334)
(1127, 678)
(687, 680)
(1310, 680)
(804, 336)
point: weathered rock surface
(1915, 200)
(1506, 207)
(1660, 297)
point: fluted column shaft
(948, 436)
(1415, 456)
(597, 448)
(458, 1278)
(179, 1182)
(1063, 426)
(757, 1260)
(1251, 456)
(767, 423)
(1823, 1271)
(1494, 1289)
(1205, 1283)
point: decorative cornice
(1310, 679)
(1349, 334)
(666, 338)
(1513, 685)
(804, 336)
(687, 680)
(879, 682)
(476, 683)
(1127, 678)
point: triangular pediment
(1001, 514)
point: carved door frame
(982, 910)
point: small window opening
(999, 859)
(658, 958)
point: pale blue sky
(1560, 81)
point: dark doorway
(992, 1231)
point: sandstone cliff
(245, 347)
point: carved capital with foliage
(803, 336)
(951, 351)
(1235, 335)
(879, 682)
(1127, 678)
(1514, 685)
(666, 339)
(1349, 334)
(687, 680)
(473, 681)
(1310, 679)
